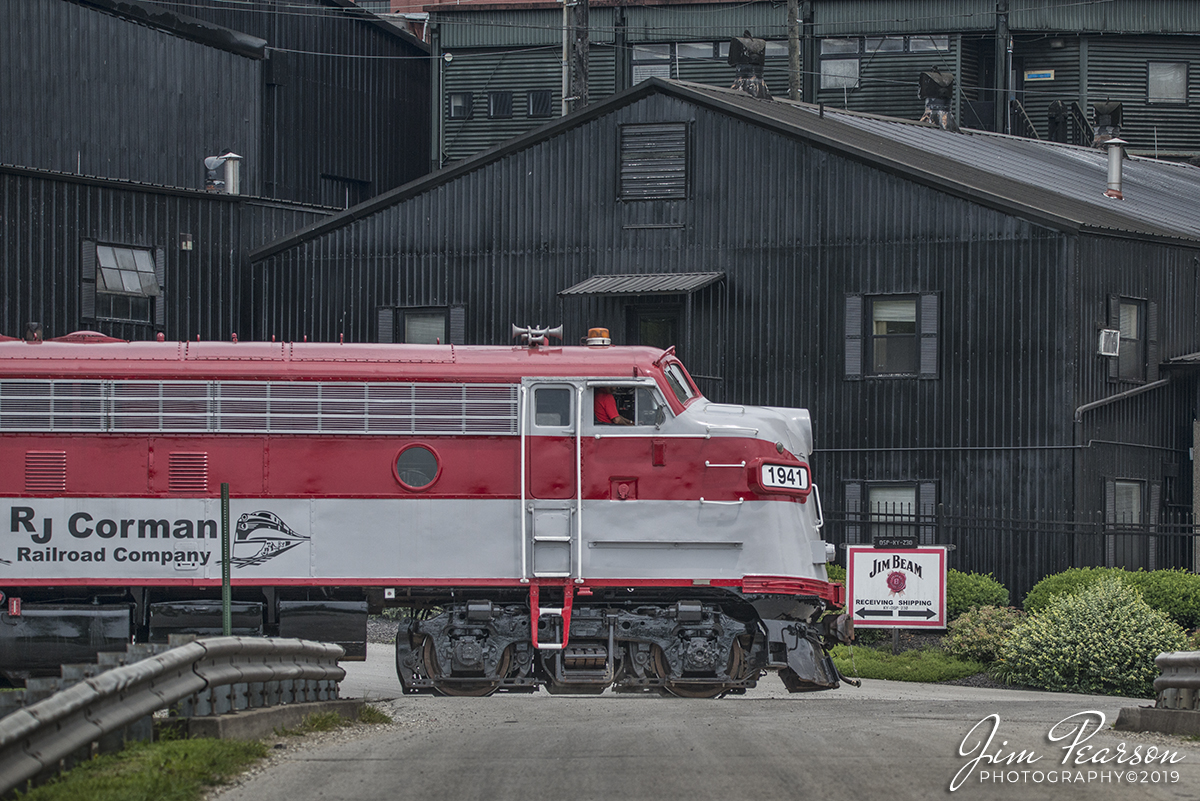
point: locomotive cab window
(552, 407)
(639, 405)
(680, 384)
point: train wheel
(737, 664)
(469, 689)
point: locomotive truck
(471, 491)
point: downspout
(1000, 117)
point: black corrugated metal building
(935, 299)
(107, 112)
(864, 55)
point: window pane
(552, 407)
(695, 49)
(1167, 82)
(839, 46)
(886, 499)
(1129, 321)
(130, 282)
(110, 280)
(106, 257)
(460, 105)
(1129, 502)
(885, 44)
(425, 328)
(149, 284)
(919, 43)
(661, 52)
(417, 466)
(775, 50)
(144, 261)
(125, 258)
(500, 105)
(541, 103)
(904, 311)
(839, 73)
(895, 356)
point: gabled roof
(1061, 186)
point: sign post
(902, 588)
(226, 608)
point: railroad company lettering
(83, 525)
(897, 562)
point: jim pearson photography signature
(1080, 761)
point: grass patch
(370, 714)
(178, 770)
(929, 665)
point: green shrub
(1102, 639)
(977, 634)
(1175, 592)
(923, 665)
(835, 572)
(972, 590)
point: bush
(977, 634)
(1102, 639)
(835, 572)
(1175, 592)
(966, 591)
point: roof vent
(936, 89)
(749, 55)
(223, 173)
(1108, 122)
(1115, 155)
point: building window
(892, 335)
(898, 512)
(1137, 355)
(653, 162)
(920, 44)
(500, 105)
(1167, 82)
(124, 283)
(651, 61)
(460, 105)
(422, 325)
(541, 103)
(839, 63)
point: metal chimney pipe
(1115, 156)
(233, 173)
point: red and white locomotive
(527, 543)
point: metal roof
(644, 284)
(1061, 186)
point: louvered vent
(45, 471)
(187, 472)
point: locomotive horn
(536, 336)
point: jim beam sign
(903, 588)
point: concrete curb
(255, 724)
(1167, 721)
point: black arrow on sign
(925, 613)
(875, 613)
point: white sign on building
(903, 588)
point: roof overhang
(644, 284)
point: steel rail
(34, 739)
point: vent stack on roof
(936, 89)
(1108, 122)
(749, 55)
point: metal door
(550, 481)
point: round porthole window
(417, 467)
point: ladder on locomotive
(551, 516)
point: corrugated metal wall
(345, 98)
(90, 93)
(994, 430)
(859, 18)
(1112, 16)
(44, 221)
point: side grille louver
(187, 472)
(45, 471)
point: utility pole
(793, 28)
(1002, 66)
(579, 74)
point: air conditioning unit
(1110, 342)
